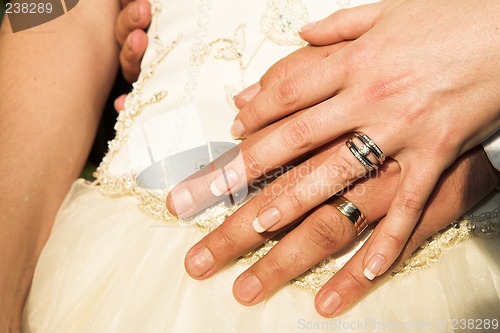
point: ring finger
(324, 232)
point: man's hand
(325, 231)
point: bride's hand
(130, 34)
(421, 80)
(325, 231)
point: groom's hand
(325, 232)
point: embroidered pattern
(109, 184)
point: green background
(2, 10)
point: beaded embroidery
(279, 24)
(485, 225)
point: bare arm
(54, 80)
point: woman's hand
(421, 80)
(130, 33)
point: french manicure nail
(374, 266)
(248, 288)
(224, 182)
(238, 129)
(199, 261)
(182, 199)
(266, 220)
(249, 92)
(307, 26)
(329, 302)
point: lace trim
(289, 14)
(485, 225)
(279, 24)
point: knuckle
(356, 282)
(287, 95)
(411, 203)
(251, 114)
(341, 171)
(276, 73)
(336, 20)
(297, 134)
(446, 141)
(359, 54)
(394, 240)
(297, 200)
(325, 231)
(389, 87)
(279, 266)
(337, 15)
(226, 239)
(128, 55)
(252, 164)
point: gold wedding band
(352, 212)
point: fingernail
(238, 129)
(182, 199)
(329, 302)
(249, 92)
(374, 266)
(224, 182)
(266, 220)
(199, 261)
(133, 12)
(307, 26)
(248, 288)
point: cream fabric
(110, 266)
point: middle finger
(324, 232)
(266, 150)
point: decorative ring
(363, 153)
(352, 212)
(372, 146)
(361, 158)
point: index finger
(199, 190)
(311, 85)
(293, 63)
(274, 146)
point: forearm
(54, 81)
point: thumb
(343, 25)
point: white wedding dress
(114, 260)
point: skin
(294, 100)
(50, 111)
(373, 86)
(134, 18)
(324, 232)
